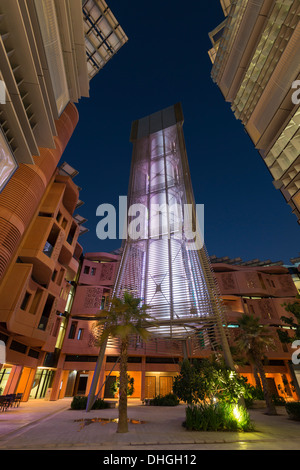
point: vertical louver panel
(50, 33)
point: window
(86, 270)
(18, 347)
(46, 312)
(93, 271)
(72, 330)
(51, 240)
(45, 214)
(33, 353)
(25, 302)
(80, 333)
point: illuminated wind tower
(164, 260)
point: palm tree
(252, 340)
(124, 318)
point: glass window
(4, 375)
(8, 164)
(42, 381)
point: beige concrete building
(256, 64)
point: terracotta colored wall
(21, 196)
(256, 283)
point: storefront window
(42, 381)
(4, 375)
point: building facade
(156, 266)
(255, 56)
(261, 290)
(49, 52)
(252, 288)
(80, 348)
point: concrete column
(13, 380)
(102, 379)
(58, 377)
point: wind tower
(164, 260)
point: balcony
(42, 248)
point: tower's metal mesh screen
(159, 267)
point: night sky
(164, 62)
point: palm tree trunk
(123, 420)
(271, 410)
(256, 377)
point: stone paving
(45, 425)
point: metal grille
(160, 267)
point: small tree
(125, 317)
(292, 322)
(208, 380)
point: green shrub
(293, 410)
(80, 402)
(116, 386)
(166, 400)
(218, 416)
(208, 379)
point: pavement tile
(41, 424)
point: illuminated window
(73, 330)
(80, 333)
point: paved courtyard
(45, 425)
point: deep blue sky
(166, 61)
